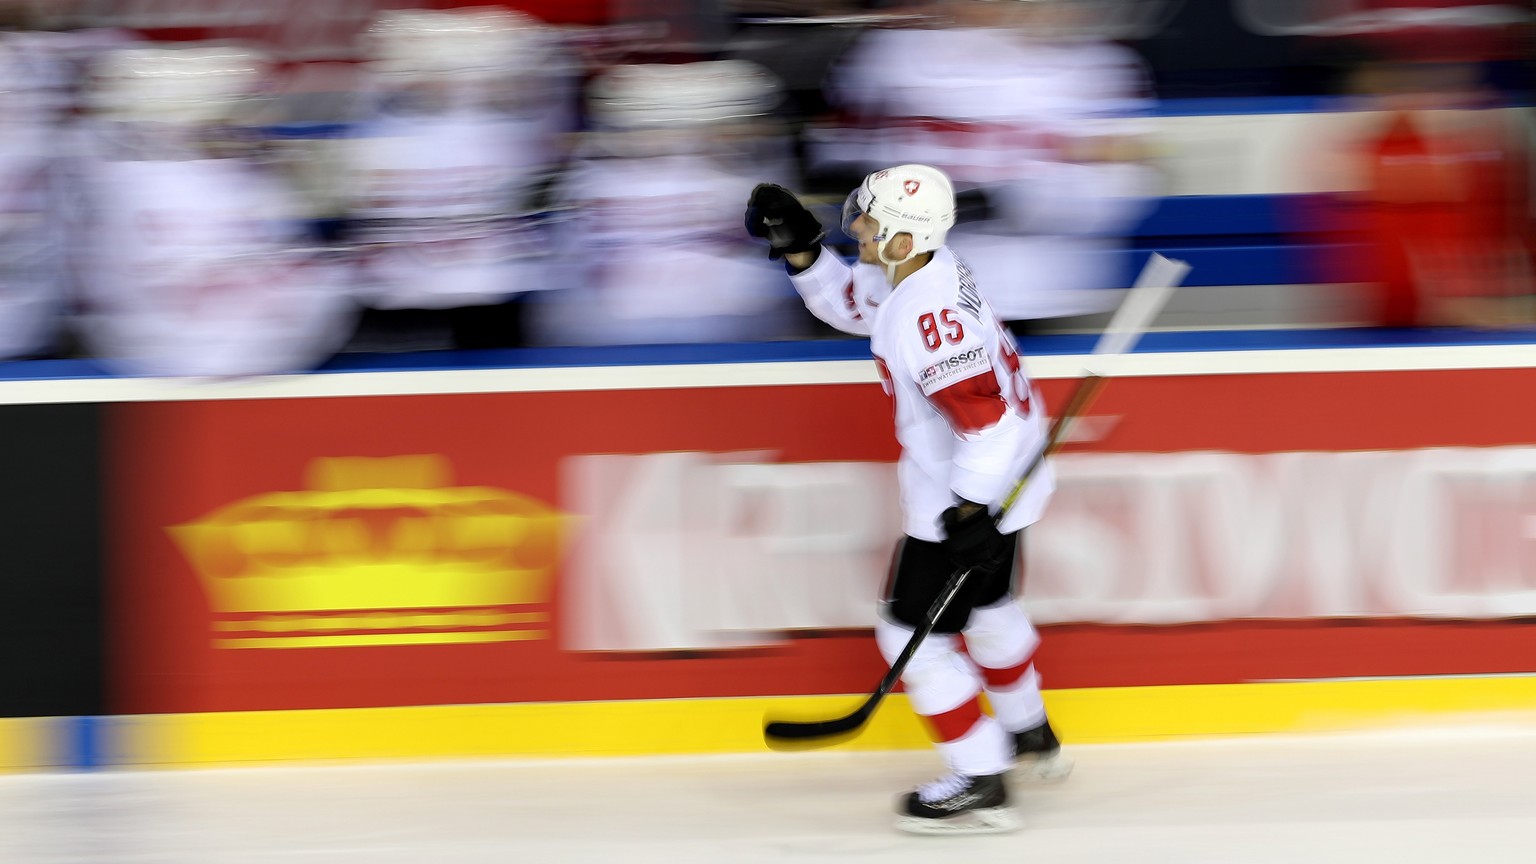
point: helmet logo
(911, 186)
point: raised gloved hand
(776, 215)
(972, 540)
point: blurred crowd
(489, 180)
(1441, 198)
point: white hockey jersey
(198, 267)
(31, 248)
(31, 218)
(440, 206)
(1029, 123)
(648, 256)
(968, 418)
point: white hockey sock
(1019, 707)
(986, 749)
(1002, 641)
(942, 685)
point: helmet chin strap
(890, 265)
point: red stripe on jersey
(971, 405)
(853, 306)
(954, 723)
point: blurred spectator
(1443, 200)
(31, 240)
(1033, 116)
(692, 29)
(469, 117)
(654, 250)
(195, 255)
(797, 41)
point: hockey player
(446, 176)
(688, 140)
(31, 266)
(194, 259)
(968, 420)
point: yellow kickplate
(27, 743)
(699, 726)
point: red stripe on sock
(954, 723)
(1005, 679)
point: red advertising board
(373, 550)
(182, 463)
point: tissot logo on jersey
(952, 369)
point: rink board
(719, 531)
(487, 561)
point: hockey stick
(1141, 305)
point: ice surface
(1400, 798)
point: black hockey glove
(776, 215)
(972, 539)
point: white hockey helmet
(421, 44)
(918, 200)
(667, 109)
(706, 93)
(184, 85)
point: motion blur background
(431, 542)
(212, 187)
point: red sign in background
(174, 463)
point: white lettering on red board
(697, 550)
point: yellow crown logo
(376, 552)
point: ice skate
(957, 804)
(1038, 756)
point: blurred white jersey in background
(33, 79)
(445, 177)
(652, 247)
(195, 259)
(1043, 128)
(651, 256)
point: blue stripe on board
(835, 349)
(82, 746)
(1220, 106)
(302, 131)
(1213, 106)
(1225, 105)
(1233, 240)
(51, 370)
(1255, 264)
(1226, 215)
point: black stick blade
(810, 734)
(791, 729)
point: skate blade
(1043, 769)
(993, 820)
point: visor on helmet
(854, 206)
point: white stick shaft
(1140, 306)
